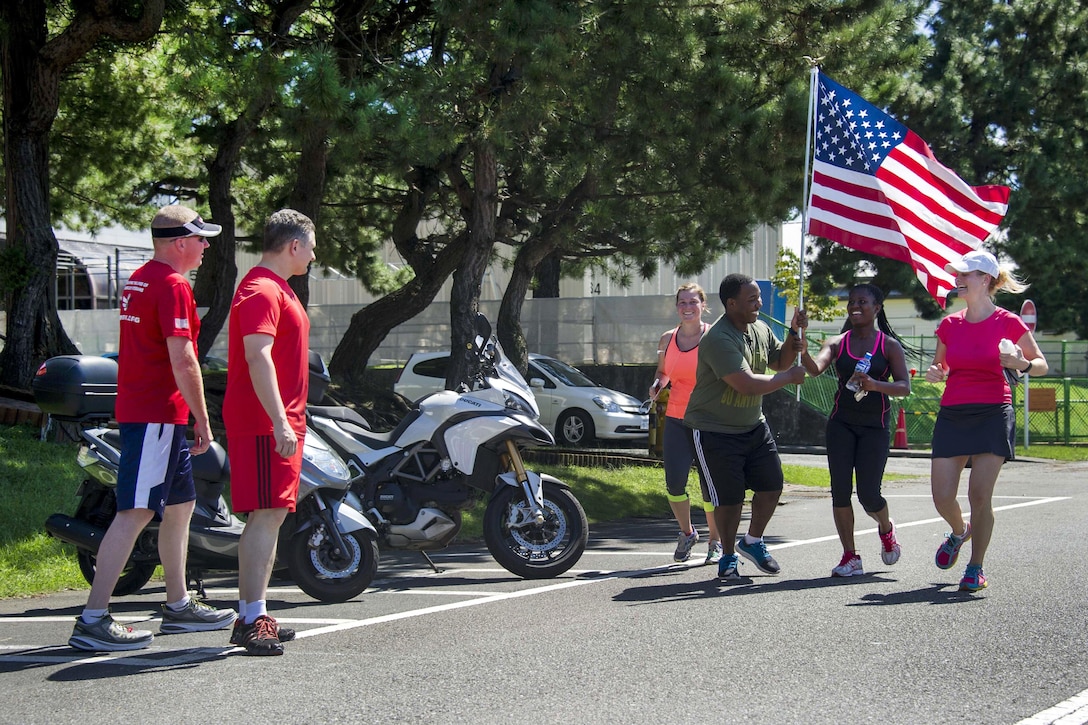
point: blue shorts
(155, 470)
(734, 462)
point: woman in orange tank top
(677, 354)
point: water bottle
(1012, 377)
(862, 367)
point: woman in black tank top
(857, 429)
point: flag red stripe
(953, 194)
(911, 208)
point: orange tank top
(680, 367)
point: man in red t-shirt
(158, 384)
(265, 415)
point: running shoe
(196, 617)
(241, 629)
(106, 635)
(973, 579)
(950, 549)
(757, 553)
(889, 547)
(684, 544)
(713, 552)
(849, 566)
(727, 568)
(261, 637)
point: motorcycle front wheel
(329, 575)
(536, 551)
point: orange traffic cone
(900, 431)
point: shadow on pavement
(933, 594)
(664, 593)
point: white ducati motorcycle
(453, 450)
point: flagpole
(814, 72)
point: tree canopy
(624, 135)
(1000, 98)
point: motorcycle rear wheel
(328, 575)
(132, 579)
(536, 552)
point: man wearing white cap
(158, 385)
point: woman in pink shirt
(976, 421)
(677, 354)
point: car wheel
(575, 428)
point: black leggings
(857, 448)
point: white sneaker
(889, 547)
(849, 566)
(683, 545)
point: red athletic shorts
(260, 478)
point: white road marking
(922, 522)
(1073, 711)
(151, 657)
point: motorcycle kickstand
(434, 566)
(196, 578)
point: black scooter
(327, 546)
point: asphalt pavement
(627, 636)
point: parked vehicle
(327, 546)
(453, 450)
(575, 408)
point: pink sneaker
(849, 566)
(950, 549)
(889, 547)
(973, 579)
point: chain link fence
(1057, 407)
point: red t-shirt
(157, 303)
(265, 304)
(973, 358)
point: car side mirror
(536, 383)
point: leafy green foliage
(1000, 99)
(787, 272)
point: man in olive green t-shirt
(733, 443)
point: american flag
(877, 188)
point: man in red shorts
(158, 383)
(265, 415)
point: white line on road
(51, 655)
(922, 522)
(1073, 711)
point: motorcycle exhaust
(73, 531)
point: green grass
(1054, 452)
(38, 479)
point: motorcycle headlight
(316, 452)
(607, 404)
(516, 402)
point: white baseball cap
(976, 261)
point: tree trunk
(465, 295)
(511, 337)
(214, 286)
(370, 325)
(34, 331)
(543, 251)
(548, 274)
(32, 66)
(309, 190)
